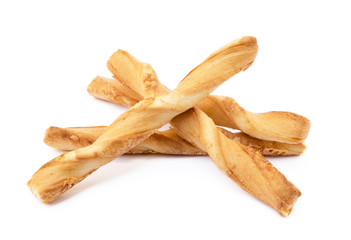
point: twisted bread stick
(276, 126)
(242, 164)
(66, 170)
(105, 88)
(164, 142)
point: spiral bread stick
(127, 131)
(164, 142)
(241, 163)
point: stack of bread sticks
(196, 119)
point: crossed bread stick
(242, 164)
(164, 142)
(140, 121)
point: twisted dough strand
(68, 169)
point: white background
(49, 52)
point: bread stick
(219, 108)
(140, 121)
(249, 169)
(242, 164)
(164, 142)
(275, 126)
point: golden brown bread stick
(164, 142)
(276, 126)
(242, 164)
(251, 171)
(68, 169)
(213, 107)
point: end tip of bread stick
(227, 61)
(36, 193)
(50, 132)
(249, 40)
(48, 194)
(287, 206)
(92, 85)
(116, 56)
(55, 177)
(65, 139)
(295, 149)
